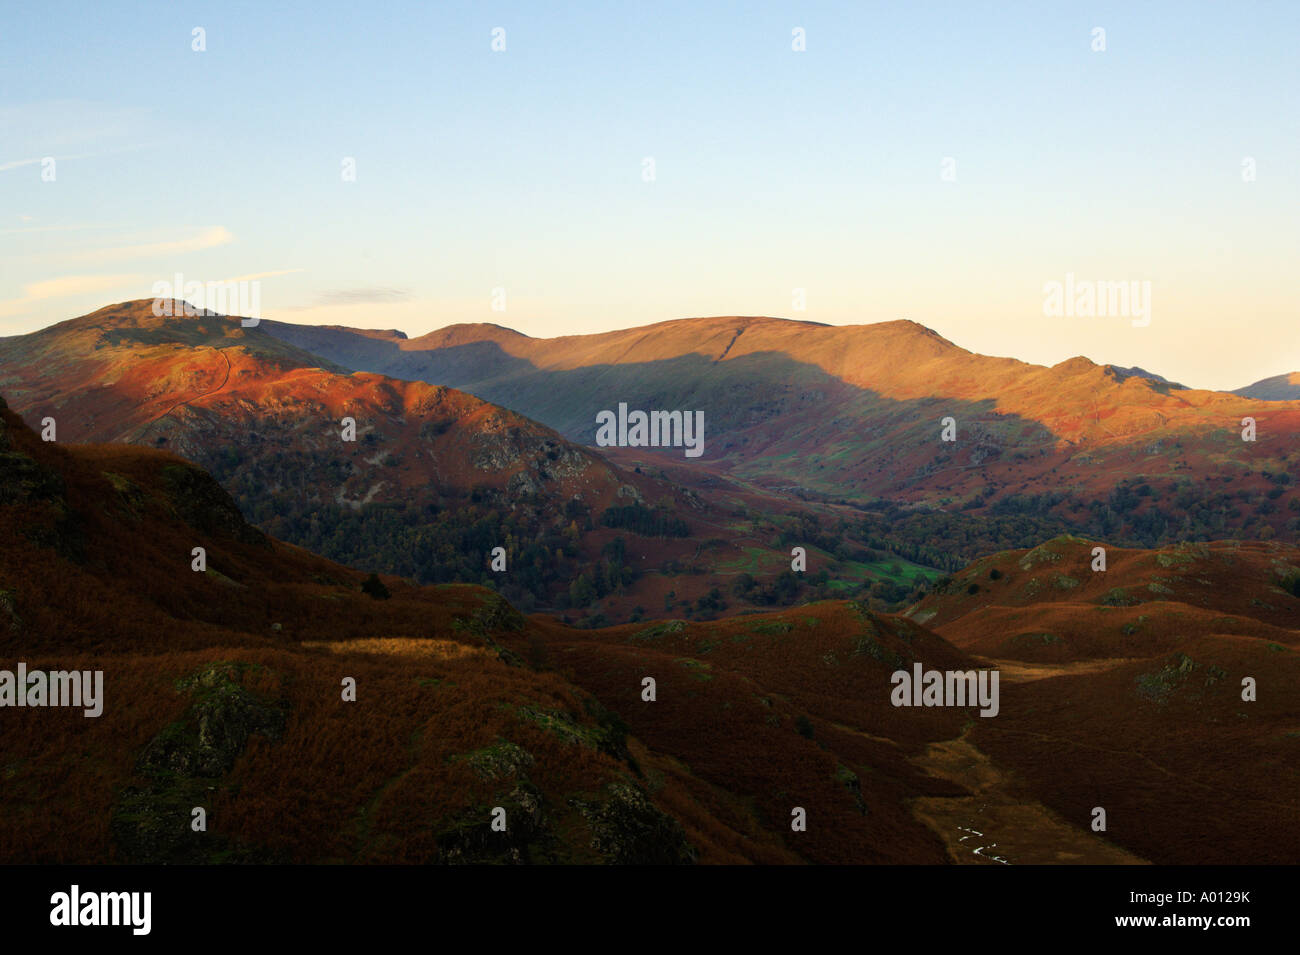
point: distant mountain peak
(1123, 374)
(466, 333)
(1076, 365)
(1278, 388)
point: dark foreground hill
(224, 691)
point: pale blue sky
(774, 169)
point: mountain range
(433, 480)
(827, 438)
(857, 413)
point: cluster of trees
(448, 539)
(1136, 513)
(444, 539)
(788, 588)
(948, 540)
(431, 543)
(611, 575)
(646, 521)
(943, 540)
(781, 591)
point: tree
(581, 591)
(375, 588)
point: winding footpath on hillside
(185, 401)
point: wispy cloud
(18, 163)
(207, 239)
(64, 287)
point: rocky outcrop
(185, 763)
(204, 505)
(628, 829)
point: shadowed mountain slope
(435, 479)
(1277, 388)
(427, 483)
(858, 411)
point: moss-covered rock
(658, 630)
(496, 615)
(628, 829)
(850, 781)
(606, 734)
(1158, 686)
(24, 480)
(1119, 597)
(501, 760)
(1042, 554)
(203, 504)
(469, 838)
(185, 763)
